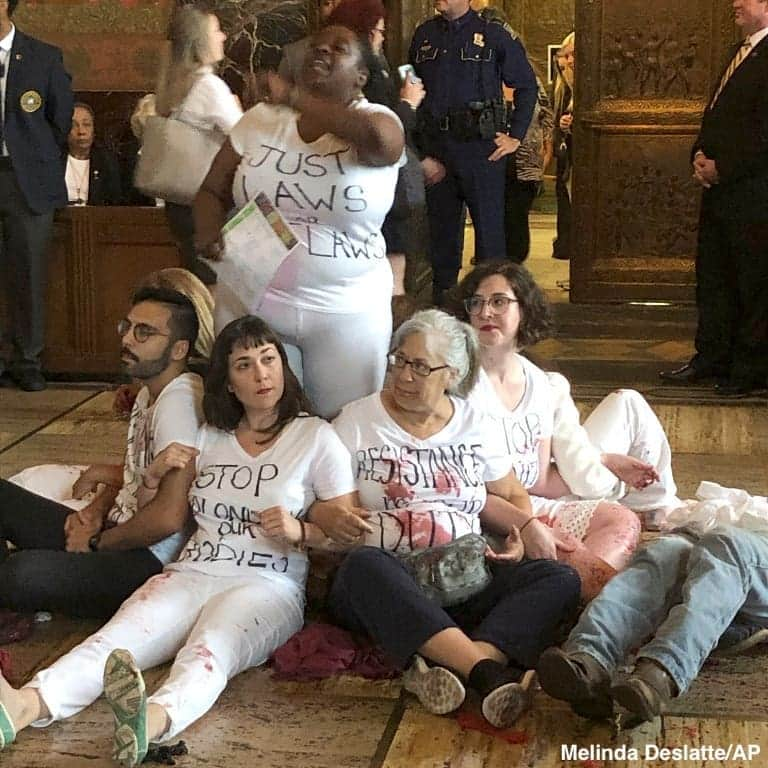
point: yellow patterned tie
(741, 54)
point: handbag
(453, 572)
(175, 158)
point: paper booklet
(257, 240)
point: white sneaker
(503, 705)
(437, 688)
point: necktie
(2, 95)
(741, 54)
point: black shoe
(577, 678)
(690, 373)
(738, 388)
(6, 382)
(30, 381)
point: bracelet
(302, 545)
(529, 520)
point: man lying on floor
(674, 601)
(86, 562)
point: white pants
(338, 357)
(214, 626)
(624, 423)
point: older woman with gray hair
(425, 462)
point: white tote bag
(174, 160)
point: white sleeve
(578, 461)
(331, 469)
(178, 415)
(347, 431)
(222, 108)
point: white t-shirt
(306, 462)
(174, 417)
(523, 428)
(424, 492)
(210, 105)
(77, 178)
(334, 204)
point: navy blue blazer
(38, 117)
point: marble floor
(348, 722)
(352, 723)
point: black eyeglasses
(141, 331)
(498, 302)
(396, 360)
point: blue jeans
(682, 593)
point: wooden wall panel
(98, 255)
(644, 71)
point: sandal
(124, 690)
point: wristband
(93, 542)
(529, 520)
(302, 545)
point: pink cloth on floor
(322, 650)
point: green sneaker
(7, 731)
(125, 691)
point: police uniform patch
(479, 40)
(31, 101)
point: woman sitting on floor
(425, 461)
(621, 453)
(236, 592)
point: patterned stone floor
(352, 723)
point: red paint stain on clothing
(208, 666)
(446, 483)
(204, 653)
(397, 491)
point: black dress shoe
(738, 388)
(30, 381)
(690, 373)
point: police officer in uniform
(466, 134)
(35, 119)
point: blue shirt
(466, 60)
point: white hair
(457, 343)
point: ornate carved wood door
(644, 72)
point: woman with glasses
(236, 591)
(621, 453)
(425, 461)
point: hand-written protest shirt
(232, 488)
(334, 204)
(523, 428)
(423, 492)
(174, 417)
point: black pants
(519, 612)
(181, 222)
(518, 199)
(473, 181)
(732, 287)
(23, 266)
(562, 247)
(40, 576)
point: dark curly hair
(222, 409)
(535, 314)
(12, 7)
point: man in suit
(36, 99)
(93, 173)
(730, 162)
